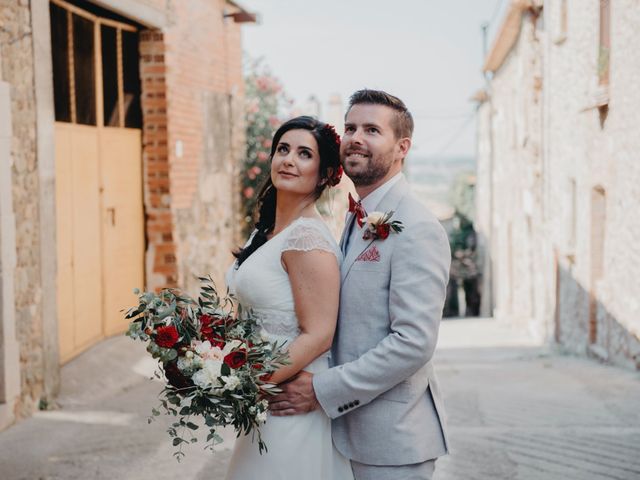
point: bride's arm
(315, 283)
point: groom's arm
(419, 275)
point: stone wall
(596, 148)
(191, 70)
(9, 347)
(565, 182)
(16, 52)
(513, 235)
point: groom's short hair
(403, 120)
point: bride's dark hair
(330, 172)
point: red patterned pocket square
(370, 255)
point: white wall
(9, 357)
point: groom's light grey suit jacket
(382, 393)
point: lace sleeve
(310, 235)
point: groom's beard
(376, 168)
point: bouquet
(213, 358)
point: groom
(382, 393)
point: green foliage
(462, 194)
(236, 395)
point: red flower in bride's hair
(335, 178)
(167, 336)
(331, 131)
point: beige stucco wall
(550, 141)
(583, 150)
(9, 357)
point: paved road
(519, 412)
(516, 411)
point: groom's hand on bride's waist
(297, 396)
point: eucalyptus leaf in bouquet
(213, 358)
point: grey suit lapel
(389, 202)
(345, 230)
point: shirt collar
(371, 201)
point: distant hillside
(432, 178)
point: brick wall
(193, 141)
(161, 250)
(205, 115)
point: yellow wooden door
(122, 223)
(78, 238)
(99, 204)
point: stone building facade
(558, 175)
(189, 96)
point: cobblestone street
(519, 412)
(516, 411)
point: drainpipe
(488, 297)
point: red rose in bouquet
(174, 376)
(236, 359)
(167, 336)
(208, 326)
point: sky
(429, 53)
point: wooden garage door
(99, 204)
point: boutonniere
(378, 225)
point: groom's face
(369, 149)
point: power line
(454, 137)
(427, 116)
(496, 9)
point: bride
(288, 273)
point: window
(60, 48)
(84, 65)
(80, 41)
(110, 76)
(131, 80)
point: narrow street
(516, 411)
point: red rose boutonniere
(377, 225)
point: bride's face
(296, 163)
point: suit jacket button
(345, 406)
(340, 409)
(356, 403)
(351, 404)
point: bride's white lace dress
(299, 446)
